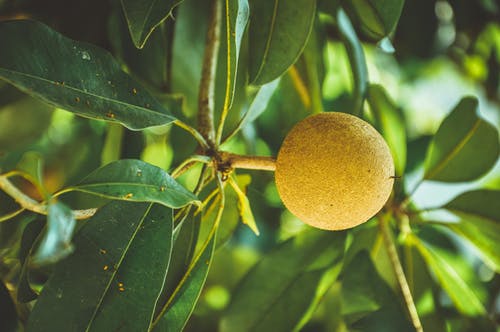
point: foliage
(126, 128)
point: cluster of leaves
(142, 259)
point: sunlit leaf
(143, 16)
(244, 207)
(56, 242)
(376, 18)
(280, 289)
(113, 279)
(78, 77)
(278, 33)
(462, 296)
(465, 146)
(136, 180)
(357, 60)
(479, 223)
(391, 124)
(177, 313)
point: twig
(208, 74)
(248, 162)
(30, 204)
(398, 271)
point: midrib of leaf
(268, 42)
(454, 151)
(47, 81)
(118, 267)
(119, 184)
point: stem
(249, 162)
(196, 134)
(208, 74)
(188, 163)
(30, 204)
(398, 271)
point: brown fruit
(334, 171)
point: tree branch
(207, 84)
(232, 160)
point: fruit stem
(207, 84)
(398, 271)
(232, 160)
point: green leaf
(30, 233)
(244, 207)
(56, 242)
(114, 277)
(462, 296)
(390, 122)
(376, 18)
(79, 77)
(7, 310)
(136, 180)
(278, 33)
(357, 60)
(178, 312)
(465, 146)
(143, 16)
(237, 14)
(368, 303)
(279, 290)
(479, 222)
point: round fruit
(334, 171)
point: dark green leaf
(143, 16)
(114, 277)
(7, 310)
(279, 291)
(376, 18)
(75, 76)
(357, 60)
(391, 124)
(278, 33)
(180, 308)
(136, 180)
(30, 234)
(462, 296)
(367, 301)
(56, 242)
(465, 146)
(479, 223)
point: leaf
(237, 14)
(376, 18)
(279, 290)
(56, 242)
(390, 122)
(257, 107)
(79, 77)
(180, 309)
(357, 60)
(30, 233)
(7, 310)
(136, 180)
(479, 222)
(461, 295)
(465, 146)
(143, 16)
(244, 207)
(368, 303)
(278, 34)
(114, 277)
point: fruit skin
(334, 171)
